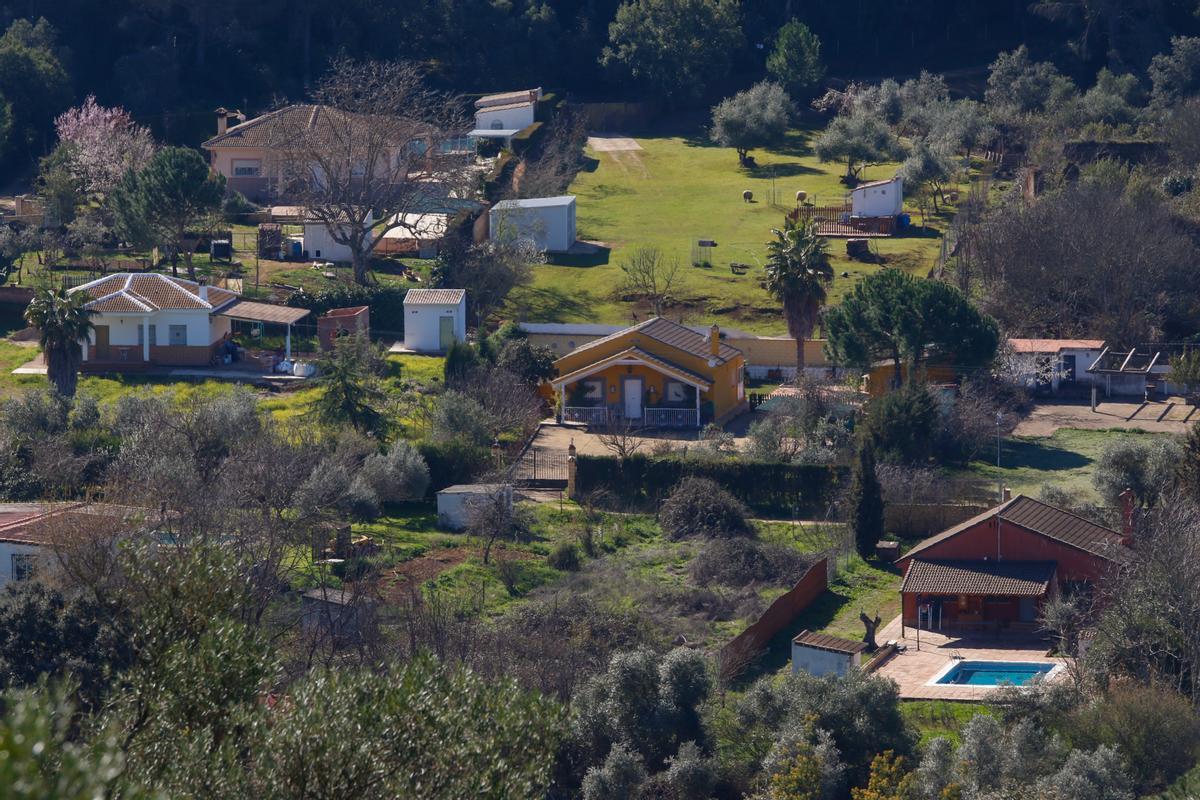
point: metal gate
(539, 466)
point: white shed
(820, 654)
(455, 503)
(548, 221)
(510, 111)
(319, 245)
(434, 319)
(878, 198)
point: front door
(102, 351)
(445, 332)
(633, 398)
(1028, 610)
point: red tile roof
(1008, 578)
(143, 293)
(1054, 345)
(669, 333)
(1046, 520)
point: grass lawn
(679, 188)
(1066, 459)
(934, 718)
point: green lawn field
(678, 189)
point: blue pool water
(994, 673)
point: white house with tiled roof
(151, 319)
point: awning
(249, 311)
(1008, 578)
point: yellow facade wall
(727, 392)
(879, 379)
(759, 351)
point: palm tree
(63, 324)
(798, 272)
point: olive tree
(754, 117)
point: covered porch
(632, 387)
(266, 313)
(976, 597)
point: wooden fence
(739, 653)
(839, 221)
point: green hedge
(493, 182)
(386, 302)
(763, 487)
(527, 137)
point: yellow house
(881, 377)
(657, 373)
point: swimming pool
(993, 673)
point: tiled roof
(506, 106)
(266, 130)
(834, 644)
(1051, 522)
(68, 523)
(669, 333)
(505, 97)
(264, 312)
(636, 354)
(143, 293)
(434, 297)
(1053, 345)
(1010, 578)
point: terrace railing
(671, 418)
(589, 415)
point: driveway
(1171, 416)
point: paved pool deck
(913, 669)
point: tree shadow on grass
(547, 304)
(787, 169)
(795, 143)
(1030, 454)
(779, 650)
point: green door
(445, 332)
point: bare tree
(620, 438)
(494, 517)
(650, 274)
(374, 147)
(550, 170)
(488, 270)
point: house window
(142, 335)
(358, 169)
(417, 147)
(676, 392)
(247, 167)
(178, 335)
(497, 124)
(593, 390)
(23, 566)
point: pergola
(249, 311)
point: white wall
(885, 200)
(821, 662)
(551, 228)
(319, 244)
(202, 329)
(509, 118)
(422, 325)
(454, 508)
(8, 549)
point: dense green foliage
(763, 486)
(754, 117)
(798, 274)
(699, 507)
(795, 61)
(865, 499)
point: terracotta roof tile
(1053, 345)
(434, 297)
(834, 644)
(1051, 522)
(1010, 578)
(150, 291)
(670, 333)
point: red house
(995, 571)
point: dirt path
(1154, 417)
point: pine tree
(866, 500)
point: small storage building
(820, 654)
(318, 243)
(342, 322)
(549, 222)
(455, 503)
(500, 116)
(878, 198)
(434, 319)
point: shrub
(235, 208)
(564, 557)
(901, 424)
(738, 562)
(1177, 183)
(1155, 729)
(699, 507)
(453, 461)
(457, 417)
(399, 474)
(508, 570)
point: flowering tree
(103, 144)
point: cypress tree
(1188, 472)
(866, 501)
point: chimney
(203, 289)
(1007, 494)
(222, 120)
(1127, 512)
(714, 340)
